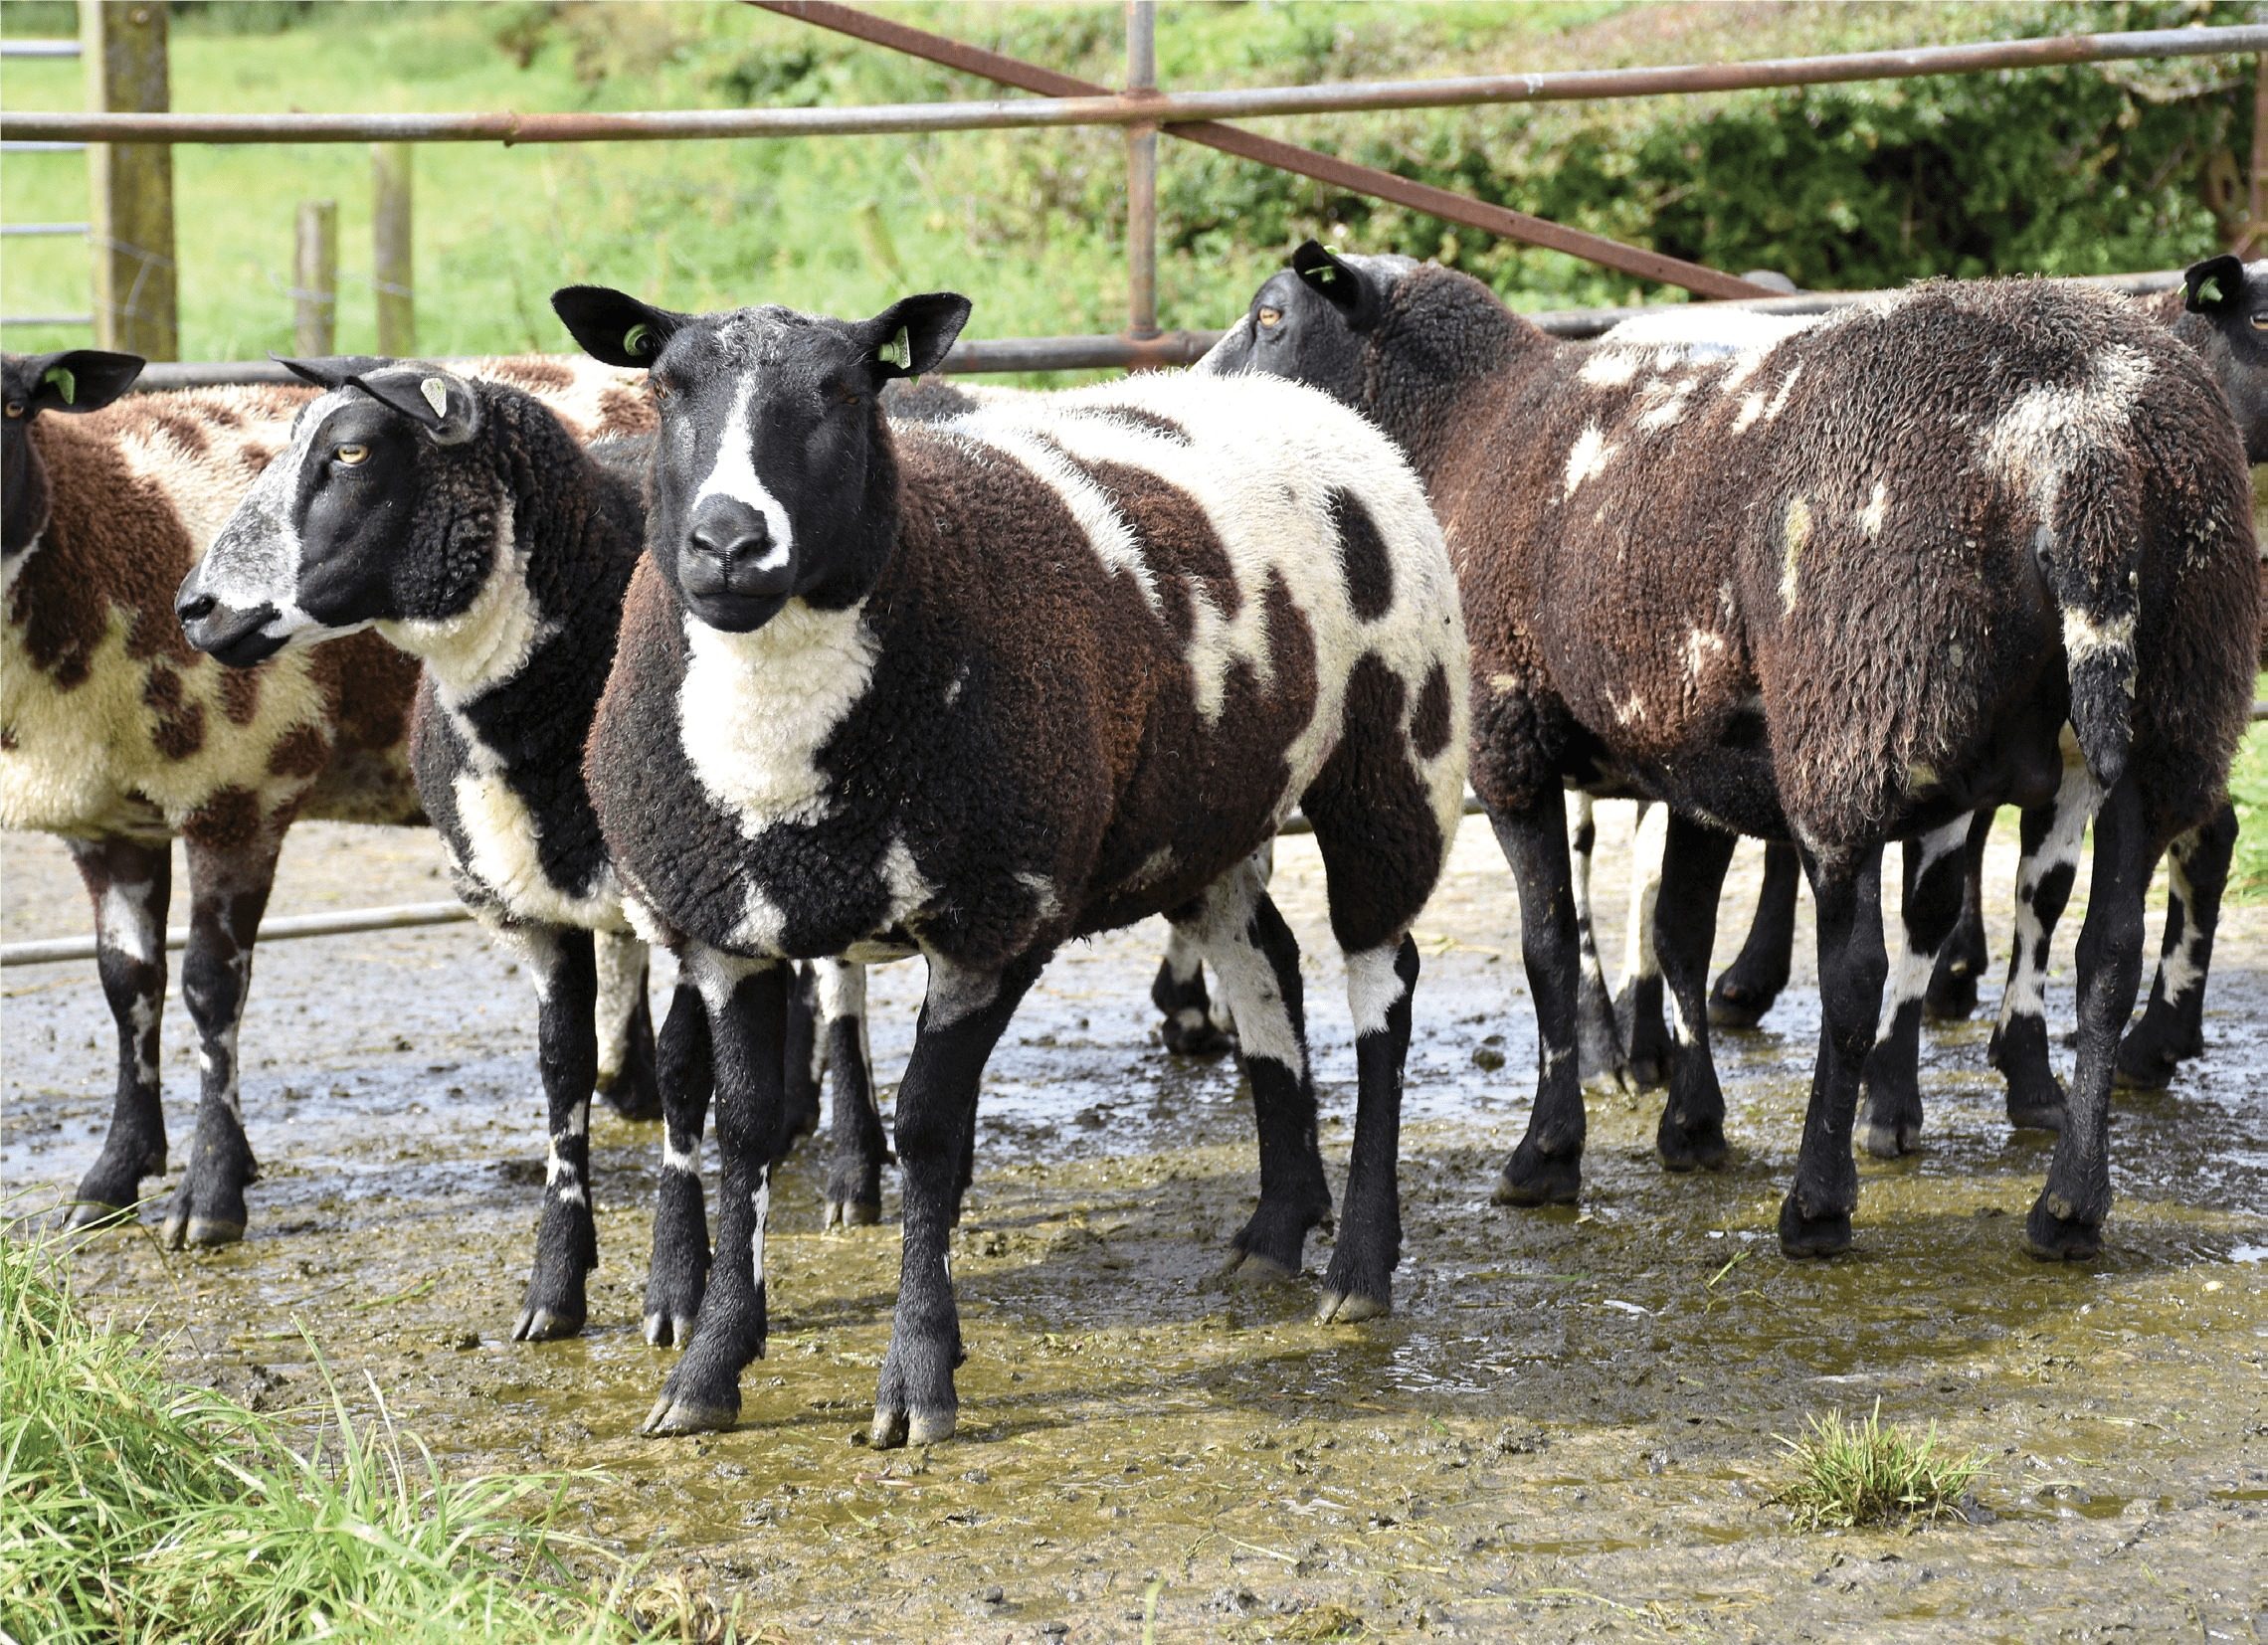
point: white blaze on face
(734, 475)
(256, 559)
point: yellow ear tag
(436, 394)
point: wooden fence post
(1141, 175)
(130, 219)
(390, 262)
(314, 280)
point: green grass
(135, 1508)
(2248, 785)
(1846, 1474)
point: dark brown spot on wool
(1429, 721)
(180, 728)
(301, 751)
(529, 372)
(1177, 541)
(228, 817)
(183, 430)
(626, 410)
(1362, 555)
(240, 694)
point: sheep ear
(2213, 286)
(333, 371)
(613, 326)
(83, 379)
(438, 402)
(1344, 285)
(914, 334)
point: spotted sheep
(120, 737)
(1888, 664)
(979, 688)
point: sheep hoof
(1697, 1144)
(94, 1214)
(538, 1324)
(1733, 1006)
(1805, 1236)
(1348, 1308)
(931, 1427)
(668, 1330)
(205, 1232)
(1534, 1177)
(850, 1214)
(2054, 1238)
(672, 1414)
(1256, 1269)
(1888, 1139)
(2039, 1116)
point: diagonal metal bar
(1268, 151)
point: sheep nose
(733, 539)
(192, 608)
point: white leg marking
(1638, 960)
(2075, 803)
(1373, 987)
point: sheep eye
(15, 407)
(352, 454)
(2259, 323)
(1272, 316)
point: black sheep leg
(2173, 1025)
(1691, 1135)
(627, 1080)
(2066, 1221)
(859, 1146)
(2051, 837)
(1961, 959)
(1186, 1008)
(1600, 1057)
(803, 1059)
(748, 1007)
(1547, 1167)
(131, 884)
(1256, 962)
(228, 892)
(561, 963)
(678, 1269)
(1359, 1284)
(962, 1018)
(1814, 1219)
(1891, 1087)
(1746, 989)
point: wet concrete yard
(1567, 1429)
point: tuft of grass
(2248, 787)
(137, 1508)
(1849, 1474)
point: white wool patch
(622, 987)
(123, 918)
(841, 990)
(755, 709)
(1609, 368)
(1639, 958)
(736, 477)
(502, 837)
(1374, 987)
(2182, 969)
(2083, 636)
(2076, 797)
(12, 567)
(955, 992)
(1877, 509)
(2045, 431)
(1787, 387)
(1697, 331)
(1703, 647)
(1665, 405)
(1587, 458)
(674, 1158)
(760, 1212)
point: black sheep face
(76, 380)
(2231, 296)
(1311, 322)
(773, 478)
(384, 508)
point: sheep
(1681, 575)
(118, 737)
(977, 688)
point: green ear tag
(436, 394)
(61, 378)
(1326, 275)
(2208, 290)
(898, 351)
(638, 340)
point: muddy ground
(1567, 1428)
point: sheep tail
(2094, 581)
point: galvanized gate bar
(1306, 162)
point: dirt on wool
(1569, 1426)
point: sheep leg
(1547, 1167)
(1952, 995)
(130, 885)
(803, 1059)
(2066, 1221)
(1599, 1057)
(228, 892)
(627, 1079)
(1234, 925)
(1359, 1284)
(1691, 1135)
(1180, 995)
(1891, 1088)
(962, 1018)
(748, 1007)
(563, 967)
(2051, 835)
(861, 1145)
(678, 1269)
(1814, 1219)
(2173, 1025)
(1746, 989)
(1637, 996)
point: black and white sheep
(976, 689)
(2009, 519)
